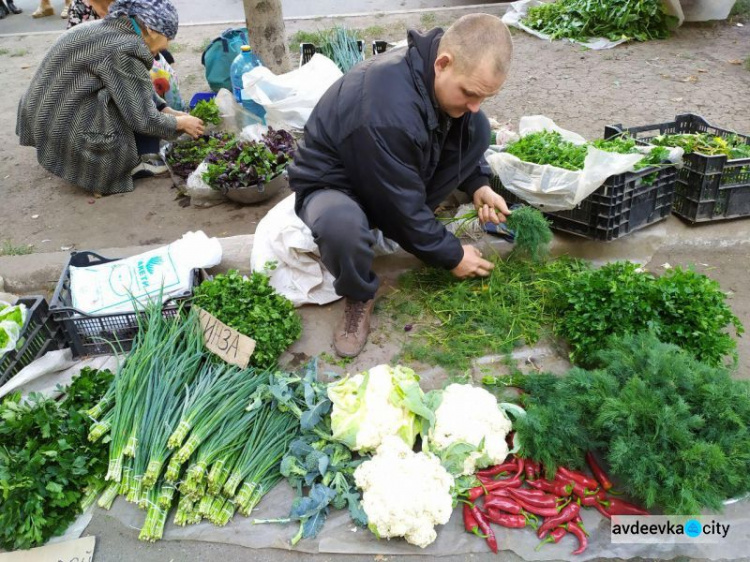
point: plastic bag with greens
(12, 319)
(374, 404)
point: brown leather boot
(352, 330)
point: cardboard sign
(226, 342)
(79, 550)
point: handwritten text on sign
(226, 342)
(79, 550)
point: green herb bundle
(674, 431)
(550, 148)
(341, 47)
(185, 156)
(582, 20)
(49, 472)
(532, 233)
(208, 111)
(254, 308)
(682, 307)
(731, 146)
(457, 321)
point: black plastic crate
(708, 187)
(625, 203)
(39, 335)
(307, 50)
(97, 334)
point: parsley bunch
(682, 307)
(581, 20)
(207, 111)
(47, 465)
(252, 306)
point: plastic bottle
(245, 62)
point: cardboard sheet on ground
(79, 550)
(339, 536)
(517, 11)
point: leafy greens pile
(582, 20)
(674, 431)
(254, 308)
(49, 472)
(241, 164)
(314, 461)
(532, 233)
(550, 148)
(682, 307)
(185, 156)
(732, 146)
(208, 111)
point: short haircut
(475, 38)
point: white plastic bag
(282, 239)
(111, 287)
(289, 98)
(200, 193)
(518, 10)
(554, 189)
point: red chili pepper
(594, 499)
(476, 493)
(507, 519)
(521, 464)
(577, 476)
(503, 504)
(580, 491)
(579, 533)
(600, 508)
(531, 469)
(536, 510)
(557, 488)
(484, 526)
(498, 469)
(470, 522)
(538, 498)
(491, 485)
(555, 536)
(566, 514)
(598, 472)
(615, 506)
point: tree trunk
(265, 26)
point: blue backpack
(219, 55)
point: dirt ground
(581, 90)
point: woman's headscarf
(159, 15)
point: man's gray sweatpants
(343, 232)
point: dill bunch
(532, 233)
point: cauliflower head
(469, 429)
(371, 405)
(405, 494)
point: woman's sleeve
(128, 82)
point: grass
(747, 63)
(20, 53)
(741, 10)
(427, 20)
(342, 362)
(204, 44)
(4, 52)
(450, 322)
(175, 47)
(10, 249)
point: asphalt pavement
(195, 12)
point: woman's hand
(190, 125)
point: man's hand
(472, 265)
(190, 125)
(488, 203)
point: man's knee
(339, 226)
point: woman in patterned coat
(90, 104)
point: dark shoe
(12, 7)
(151, 165)
(352, 330)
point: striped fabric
(89, 95)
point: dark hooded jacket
(377, 135)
